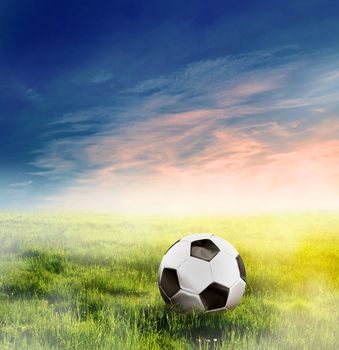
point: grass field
(90, 282)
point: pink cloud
(231, 173)
(152, 146)
(251, 88)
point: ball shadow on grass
(253, 316)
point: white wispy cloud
(32, 94)
(20, 184)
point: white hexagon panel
(225, 270)
(187, 300)
(235, 294)
(176, 254)
(194, 275)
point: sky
(169, 106)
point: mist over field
(90, 282)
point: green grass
(90, 282)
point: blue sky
(183, 106)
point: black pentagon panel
(241, 268)
(214, 296)
(172, 246)
(204, 249)
(169, 282)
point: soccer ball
(203, 272)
